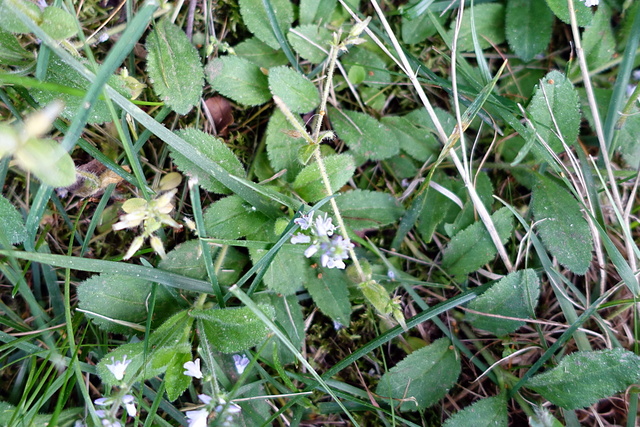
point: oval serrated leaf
(291, 259)
(311, 42)
(10, 21)
(58, 23)
(489, 25)
(185, 259)
(211, 148)
(487, 412)
(329, 290)
(563, 229)
(309, 184)
(283, 145)
(422, 378)
(295, 90)
(365, 209)
(516, 295)
(260, 54)
(13, 229)
(561, 10)
(555, 101)
(472, 247)
(256, 19)
(528, 27)
(582, 378)
(238, 79)
(364, 135)
(232, 330)
(174, 67)
(116, 298)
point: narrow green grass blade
(96, 217)
(246, 300)
(279, 36)
(620, 86)
(112, 267)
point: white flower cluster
(223, 411)
(333, 249)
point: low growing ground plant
(279, 212)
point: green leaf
(186, 259)
(416, 30)
(582, 378)
(311, 42)
(436, 208)
(288, 271)
(260, 54)
(211, 148)
(627, 139)
(256, 19)
(13, 229)
(11, 51)
(135, 355)
(528, 27)
(238, 79)
(60, 73)
(489, 23)
(556, 93)
(516, 295)
(174, 67)
(283, 146)
(58, 23)
(309, 184)
(48, 161)
(363, 134)
(472, 247)
(232, 330)
(289, 318)
(232, 218)
(10, 21)
(316, 10)
(365, 209)
(176, 382)
(598, 40)
(487, 412)
(328, 288)
(422, 378)
(114, 298)
(376, 73)
(295, 90)
(563, 229)
(418, 142)
(173, 336)
(561, 10)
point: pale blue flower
(129, 404)
(198, 418)
(304, 221)
(241, 362)
(324, 226)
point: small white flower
(193, 369)
(311, 250)
(304, 221)
(324, 226)
(103, 401)
(241, 362)
(198, 418)
(101, 413)
(234, 409)
(118, 367)
(300, 238)
(107, 423)
(590, 3)
(129, 405)
(204, 398)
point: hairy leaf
(562, 227)
(422, 378)
(328, 288)
(211, 148)
(295, 90)
(582, 378)
(309, 184)
(516, 295)
(13, 229)
(238, 79)
(283, 145)
(232, 330)
(256, 19)
(528, 27)
(260, 54)
(174, 67)
(311, 42)
(232, 218)
(489, 23)
(487, 412)
(315, 10)
(364, 135)
(365, 209)
(561, 10)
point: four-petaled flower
(241, 362)
(193, 369)
(118, 367)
